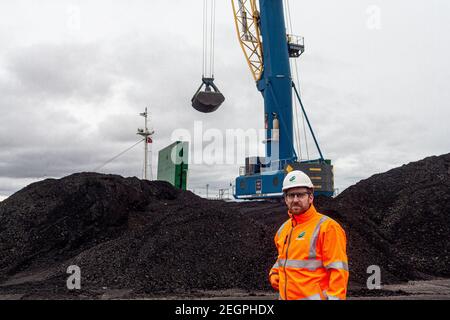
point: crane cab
(296, 45)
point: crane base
(263, 185)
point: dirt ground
(438, 289)
(412, 290)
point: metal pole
(146, 134)
(307, 121)
(145, 147)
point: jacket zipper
(285, 262)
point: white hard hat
(297, 179)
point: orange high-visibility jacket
(312, 260)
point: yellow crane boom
(246, 16)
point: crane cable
(118, 155)
(213, 36)
(297, 80)
(209, 29)
(204, 38)
(296, 123)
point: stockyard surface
(135, 239)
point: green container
(173, 164)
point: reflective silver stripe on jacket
(276, 265)
(338, 265)
(314, 237)
(281, 228)
(301, 264)
(333, 298)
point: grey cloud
(61, 71)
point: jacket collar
(303, 217)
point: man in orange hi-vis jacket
(312, 261)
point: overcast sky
(74, 76)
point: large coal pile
(405, 214)
(128, 233)
(189, 244)
(149, 237)
(54, 219)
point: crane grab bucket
(208, 100)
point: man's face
(298, 200)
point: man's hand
(274, 280)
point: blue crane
(267, 48)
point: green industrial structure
(173, 164)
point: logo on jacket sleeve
(301, 236)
